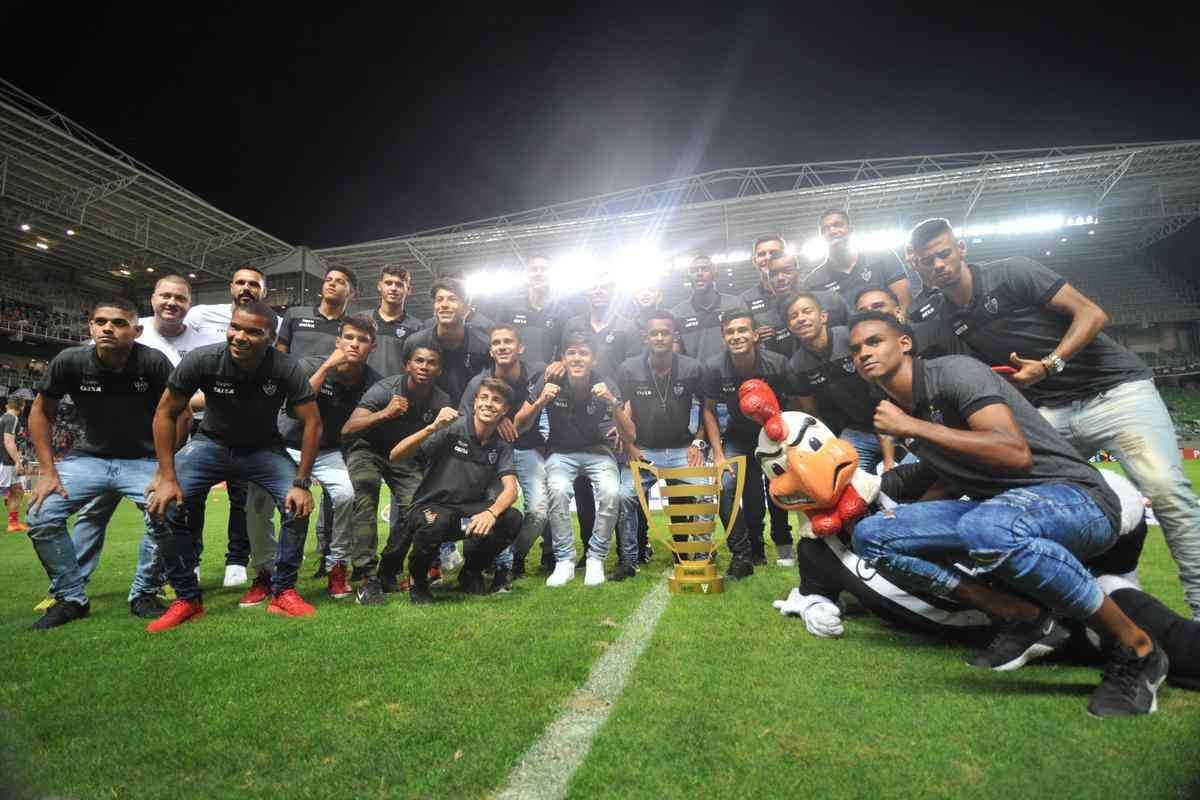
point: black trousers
(585, 509)
(431, 525)
(239, 542)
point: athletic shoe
(785, 555)
(419, 597)
(622, 572)
(564, 573)
(594, 576)
(290, 603)
(390, 585)
(739, 569)
(645, 555)
(371, 593)
(471, 581)
(338, 588)
(235, 575)
(1015, 644)
(434, 576)
(321, 569)
(146, 606)
(18, 527)
(260, 591)
(181, 611)
(760, 560)
(45, 605)
(502, 581)
(451, 560)
(1129, 685)
(61, 613)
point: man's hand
(336, 359)
(555, 371)
(765, 333)
(481, 524)
(1028, 371)
(601, 391)
(695, 458)
(891, 420)
(549, 392)
(633, 451)
(298, 503)
(397, 406)
(722, 464)
(507, 430)
(48, 485)
(162, 493)
(443, 419)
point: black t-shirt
(870, 271)
(662, 407)
(720, 382)
(530, 439)
(541, 329)
(925, 306)
(611, 345)
(459, 468)
(843, 397)
(578, 425)
(767, 310)
(388, 356)
(117, 408)
(700, 328)
(1008, 313)
(386, 435)
(336, 401)
(241, 408)
(948, 390)
(308, 332)
(8, 424)
(459, 365)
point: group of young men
(554, 397)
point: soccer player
(389, 411)
(582, 412)
(1095, 393)
(723, 374)
(463, 347)
(464, 457)
(659, 388)
(846, 271)
(339, 381)
(1036, 509)
(537, 314)
(313, 331)
(11, 466)
(776, 281)
(393, 323)
(245, 383)
(116, 384)
(700, 315)
(930, 338)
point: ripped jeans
(1032, 538)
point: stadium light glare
(42, 246)
(126, 272)
(815, 249)
(1049, 252)
(70, 232)
(977, 240)
(149, 269)
(25, 226)
(1063, 239)
(637, 265)
(1092, 232)
(191, 274)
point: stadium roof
(57, 176)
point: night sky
(361, 124)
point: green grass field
(729, 699)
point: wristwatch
(1054, 364)
(700, 444)
(302, 483)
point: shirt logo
(223, 387)
(428, 415)
(461, 448)
(866, 275)
(992, 305)
(961, 328)
(90, 385)
(679, 390)
(307, 323)
(593, 407)
(549, 323)
(643, 391)
(519, 319)
(467, 361)
(492, 456)
(728, 388)
(269, 388)
(141, 384)
(608, 338)
(691, 322)
(935, 415)
(816, 377)
(848, 364)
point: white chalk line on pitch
(546, 769)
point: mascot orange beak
(815, 480)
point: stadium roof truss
(57, 176)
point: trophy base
(690, 579)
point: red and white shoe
(290, 604)
(338, 586)
(260, 591)
(181, 611)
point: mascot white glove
(821, 616)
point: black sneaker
(646, 554)
(502, 582)
(1129, 685)
(146, 606)
(760, 559)
(622, 572)
(739, 569)
(471, 581)
(389, 584)
(321, 571)
(1015, 644)
(419, 596)
(61, 613)
(370, 593)
(547, 567)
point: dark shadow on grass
(979, 681)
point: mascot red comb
(809, 468)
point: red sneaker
(180, 612)
(338, 587)
(260, 591)
(288, 602)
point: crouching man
(463, 457)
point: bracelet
(493, 513)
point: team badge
(593, 407)
(492, 455)
(608, 338)
(269, 388)
(428, 415)
(848, 364)
(866, 275)
(992, 305)
(679, 390)
(549, 323)
(935, 415)
(141, 384)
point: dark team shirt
(116, 407)
(925, 306)
(459, 365)
(700, 328)
(308, 332)
(459, 468)
(578, 425)
(540, 329)
(1008, 313)
(948, 390)
(8, 424)
(336, 401)
(388, 356)
(662, 407)
(844, 399)
(720, 382)
(386, 435)
(529, 440)
(611, 345)
(870, 270)
(475, 317)
(933, 338)
(767, 310)
(241, 408)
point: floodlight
(1048, 252)
(149, 269)
(25, 226)
(191, 274)
(42, 246)
(70, 232)
(815, 249)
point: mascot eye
(814, 443)
(777, 469)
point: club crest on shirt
(428, 415)
(866, 275)
(608, 337)
(992, 305)
(935, 415)
(492, 456)
(269, 388)
(848, 364)
(141, 384)
(549, 323)
(679, 390)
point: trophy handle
(740, 463)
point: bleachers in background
(1133, 293)
(41, 305)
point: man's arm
(299, 501)
(362, 420)
(993, 440)
(712, 430)
(482, 523)
(530, 411)
(408, 446)
(40, 425)
(164, 486)
(10, 446)
(1087, 320)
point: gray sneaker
(1015, 644)
(371, 593)
(1129, 685)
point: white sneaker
(594, 575)
(785, 555)
(235, 575)
(197, 571)
(451, 560)
(564, 573)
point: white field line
(546, 769)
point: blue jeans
(665, 457)
(204, 462)
(600, 468)
(1131, 421)
(531, 475)
(86, 478)
(749, 524)
(1031, 538)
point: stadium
(529, 694)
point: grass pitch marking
(546, 769)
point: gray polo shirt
(308, 332)
(700, 328)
